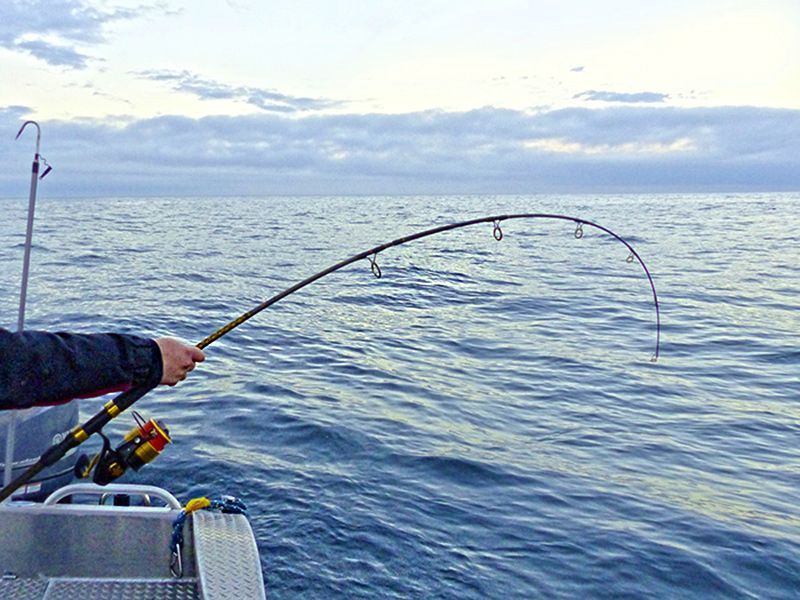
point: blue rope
(226, 504)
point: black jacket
(38, 367)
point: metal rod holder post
(23, 293)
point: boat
(115, 542)
(61, 537)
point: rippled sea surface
(484, 421)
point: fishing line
(123, 401)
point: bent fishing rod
(126, 399)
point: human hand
(178, 359)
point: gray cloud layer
(207, 89)
(54, 54)
(27, 25)
(633, 148)
(622, 97)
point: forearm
(45, 368)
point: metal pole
(12, 424)
(10, 439)
(29, 233)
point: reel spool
(140, 446)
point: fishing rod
(123, 401)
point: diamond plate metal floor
(23, 589)
(85, 589)
(229, 567)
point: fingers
(193, 356)
(178, 359)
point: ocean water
(484, 421)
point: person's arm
(39, 368)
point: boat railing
(117, 490)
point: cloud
(54, 54)
(238, 5)
(53, 30)
(489, 150)
(208, 89)
(622, 97)
(579, 69)
(14, 112)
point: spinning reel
(140, 446)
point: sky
(230, 97)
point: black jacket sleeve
(38, 367)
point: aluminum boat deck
(59, 550)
